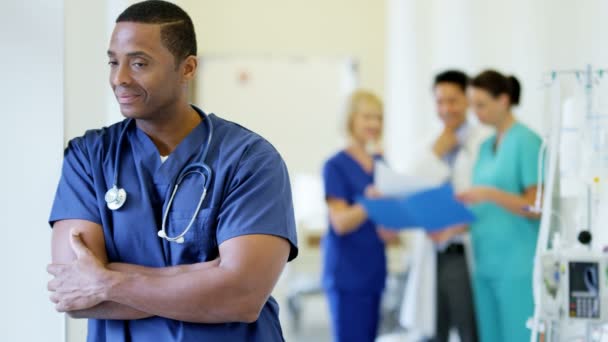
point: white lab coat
(418, 310)
(431, 166)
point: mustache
(127, 91)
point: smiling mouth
(127, 99)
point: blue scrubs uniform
(354, 265)
(249, 193)
(504, 243)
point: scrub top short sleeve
(75, 197)
(258, 199)
(528, 159)
(334, 183)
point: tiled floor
(314, 324)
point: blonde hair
(352, 106)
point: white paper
(391, 183)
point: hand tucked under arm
(63, 254)
(77, 285)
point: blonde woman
(354, 261)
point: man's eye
(139, 65)
(112, 63)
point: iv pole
(553, 144)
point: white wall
(306, 95)
(520, 37)
(31, 136)
(317, 28)
(86, 70)
(89, 102)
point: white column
(86, 67)
(451, 35)
(31, 136)
(407, 87)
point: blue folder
(431, 209)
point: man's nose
(120, 75)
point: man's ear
(188, 68)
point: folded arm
(233, 288)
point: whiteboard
(294, 102)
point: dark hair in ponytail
(514, 90)
(496, 84)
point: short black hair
(496, 84)
(176, 32)
(456, 77)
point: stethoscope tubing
(115, 197)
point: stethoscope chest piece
(115, 198)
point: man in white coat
(451, 158)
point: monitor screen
(584, 295)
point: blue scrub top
(355, 262)
(504, 243)
(249, 193)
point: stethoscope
(116, 197)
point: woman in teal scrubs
(504, 235)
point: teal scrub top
(504, 243)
